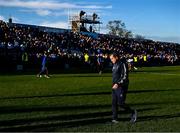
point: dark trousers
(118, 100)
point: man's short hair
(115, 54)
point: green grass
(82, 102)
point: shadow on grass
(86, 94)
(156, 117)
(83, 76)
(157, 70)
(50, 123)
(156, 103)
(152, 90)
(57, 95)
(20, 109)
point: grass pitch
(82, 102)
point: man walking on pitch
(44, 67)
(119, 88)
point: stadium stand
(25, 44)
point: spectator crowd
(27, 44)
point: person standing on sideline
(44, 67)
(100, 63)
(120, 87)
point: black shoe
(134, 116)
(115, 121)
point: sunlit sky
(154, 19)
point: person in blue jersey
(44, 67)
(100, 61)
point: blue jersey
(99, 59)
(44, 61)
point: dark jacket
(120, 73)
